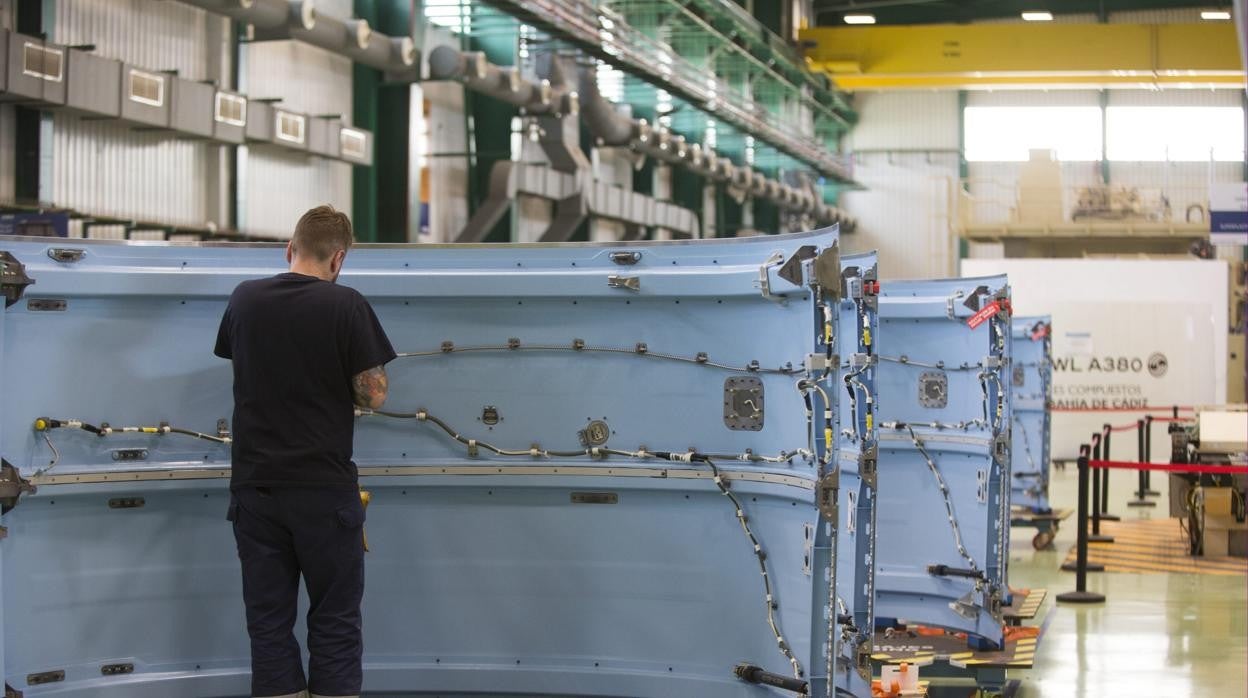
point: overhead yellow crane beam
(1004, 56)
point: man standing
(305, 352)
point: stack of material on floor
(1225, 534)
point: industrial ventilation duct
(610, 127)
(299, 20)
(53, 76)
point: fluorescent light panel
(860, 19)
(1215, 15)
(1038, 16)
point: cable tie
(421, 415)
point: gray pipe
(504, 84)
(299, 20)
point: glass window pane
(1153, 134)
(1006, 134)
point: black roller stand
(1104, 515)
(1141, 493)
(1095, 536)
(1081, 566)
(1148, 456)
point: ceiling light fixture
(1038, 16)
(1215, 15)
(860, 19)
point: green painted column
(381, 201)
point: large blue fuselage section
(611, 572)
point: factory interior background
(1000, 249)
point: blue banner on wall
(1228, 213)
(35, 224)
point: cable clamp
(421, 415)
(534, 451)
(472, 448)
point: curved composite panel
(944, 469)
(623, 571)
(1030, 380)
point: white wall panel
(1176, 98)
(155, 35)
(905, 121)
(280, 185)
(903, 212)
(1033, 98)
(8, 153)
(277, 185)
(110, 169)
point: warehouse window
(455, 15)
(1006, 134)
(1154, 134)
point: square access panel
(355, 146)
(94, 87)
(191, 108)
(35, 71)
(290, 129)
(145, 96)
(229, 117)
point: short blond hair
(321, 232)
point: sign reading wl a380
(1127, 334)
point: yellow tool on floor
(365, 497)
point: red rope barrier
(1125, 427)
(1121, 409)
(1172, 467)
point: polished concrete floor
(1158, 634)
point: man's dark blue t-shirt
(296, 342)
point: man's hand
(369, 388)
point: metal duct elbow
(600, 116)
(266, 14)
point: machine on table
(1211, 505)
(589, 454)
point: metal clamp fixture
(764, 279)
(628, 283)
(13, 278)
(12, 487)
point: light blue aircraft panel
(1030, 380)
(545, 515)
(943, 507)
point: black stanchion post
(1095, 536)
(1081, 566)
(1140, 493)
(1148, 457)
(1106, 431)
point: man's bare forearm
(369, 388)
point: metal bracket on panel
(626, 258)
(13, 278)
(628, 283)
(743, 403)
(863, 658)
(117, 669)
(826, 495)
(1019, 375)
(981, 486)
(861, 360)
(828, 272)
(808, 548)
(851, 283)
(764, 281)
(818, 363)
(966, 606)
(871, 289)
(37, 305)
(223, 428)
(595, 433)
(933, 389)
(791, 271)
(10, 692)
(43, 677)
(972, 301)
(66, 255)
(867, 462)
(12, 486)
(1001, 447)
(851, 513)
(949, 312)
(129, 454)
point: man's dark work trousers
(283, 532)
